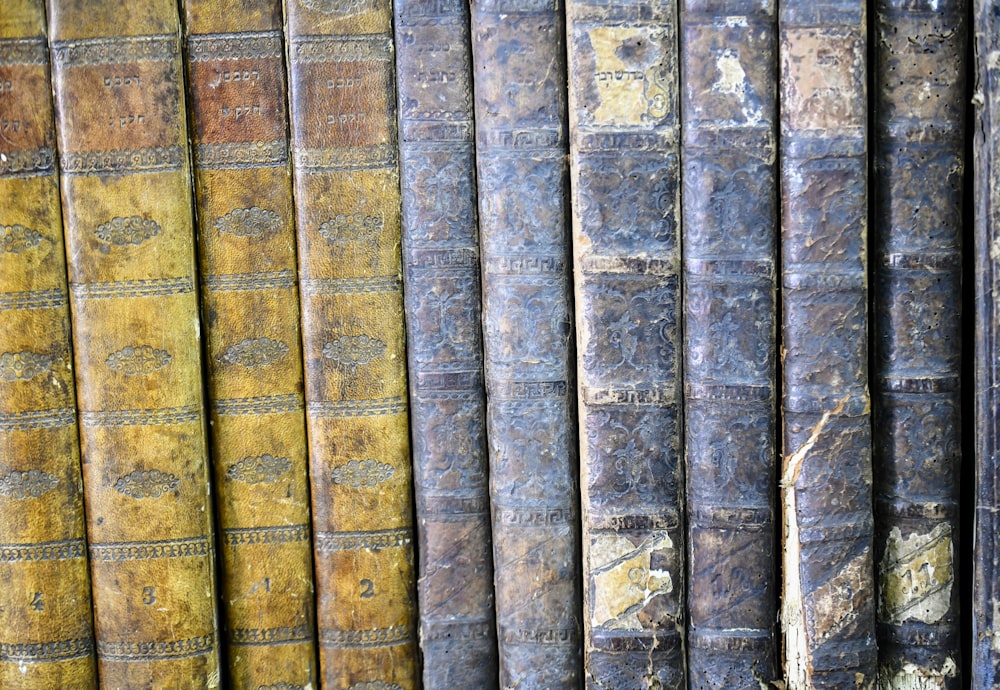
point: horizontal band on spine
(155, 650)
(747, 269)
(267, 404)
(264, 637)
(729, 393)
(254, 45)
(195, 547)
(351, 286)
(743, 518)
(374, 47)
(668, 520)
(329, 542)
(833, 277)
(65, 550)
(188, 414)
(360, 639)
(924, 261)
(120, 289)
(345, 159)
(451, 508)
(233, 282)
(37, 419)
(242, 536)
(27, 163)
(663, 396)
(455, 631)
(33, 299)
(357, 408)
(628, 641)
(924, 384)
(46, 652)
(527, 390)
(23, 51)
(115, 50)
(241, 155)
(544, 637)
(117, 161)
(735, 640)
(535, 517)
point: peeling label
(624, 579)
(916, 576)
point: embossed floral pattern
(146, 484)
(24, 365)
(336, 6)
(138, 359)
(15, 239)
(124, 231)
(354, 227)
(249, 222)
(354, 350)
(356, 474)
(254, 352)
(261, 469)
(27, 484)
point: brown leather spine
(624, 140)
(346, 173)
(250, 308)
(126, 189)
(46, 626)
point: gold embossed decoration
(254, 352)
(24, 365)
(124, 231)
(249, 222)
(146, 484)
(262, 469)
(29, 484)
(354, 350)
(138, 360)
(15, 239)
(354, 227)
(364, 473)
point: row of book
(292, 239)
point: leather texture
(250, 318)
(519, 59)
(126, 188)
(625, 170)
(920, 68)
(730, 227)
(828, 594)
(441, 280)
(46, 626)
(346, 181)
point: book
(346, 184)
(253, 355)
(730, 228)
(919, 152)
(624, 123)
(828, 589)
(519, 63)
(46, 625)
(441, 280)
(129, 230)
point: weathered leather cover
(126, 189)
(441, 279)
(828, 597)
(919, 68)
(624, 126)
(346, 176)
(985, 128)
(250, 309)
(730, 227)
(519, 58)
(46, 626)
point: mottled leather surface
(346, 181)
(250, 316)
(46, 625)
(920, 106)
(519, 59)
(985, 130)
(828, 594)
(441, 280)
(730, 226)
(126, 188)
(624, 145)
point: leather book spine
(442, 291)
(828, 594)
(730, 227)
(46, 625)
(250, 306)
(519, 59)
(346, 180)
(985, 130)
(129, 229)
(919, 162)
(625, 171)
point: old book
(444, 345)
(828, 594)
(46, 626)
(346, 178)
(519, 58)
(985, 127)
(126, 191)
(917, 254)
(250, 308)
(624, 125)
(730, 227)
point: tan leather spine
(250, 307)
(126, 189)
(46, 626)
(346, 175)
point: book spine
(46, 625)
(624, 126)
(985, 634)
(126, 190)
(346, 181)
(250, 306)
(919, 163)
(519, 58)
(730, 227)
(441, 277)
(828, 612)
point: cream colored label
(916, 575)
(912, 677)
(624, 581)
(629, 77)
